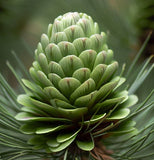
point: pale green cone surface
(74, 95)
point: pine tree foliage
(128, 138)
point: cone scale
(73, 97)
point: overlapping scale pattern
(74, 95)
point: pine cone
(75, 96)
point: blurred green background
(127, 23)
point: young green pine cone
(74, 97)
